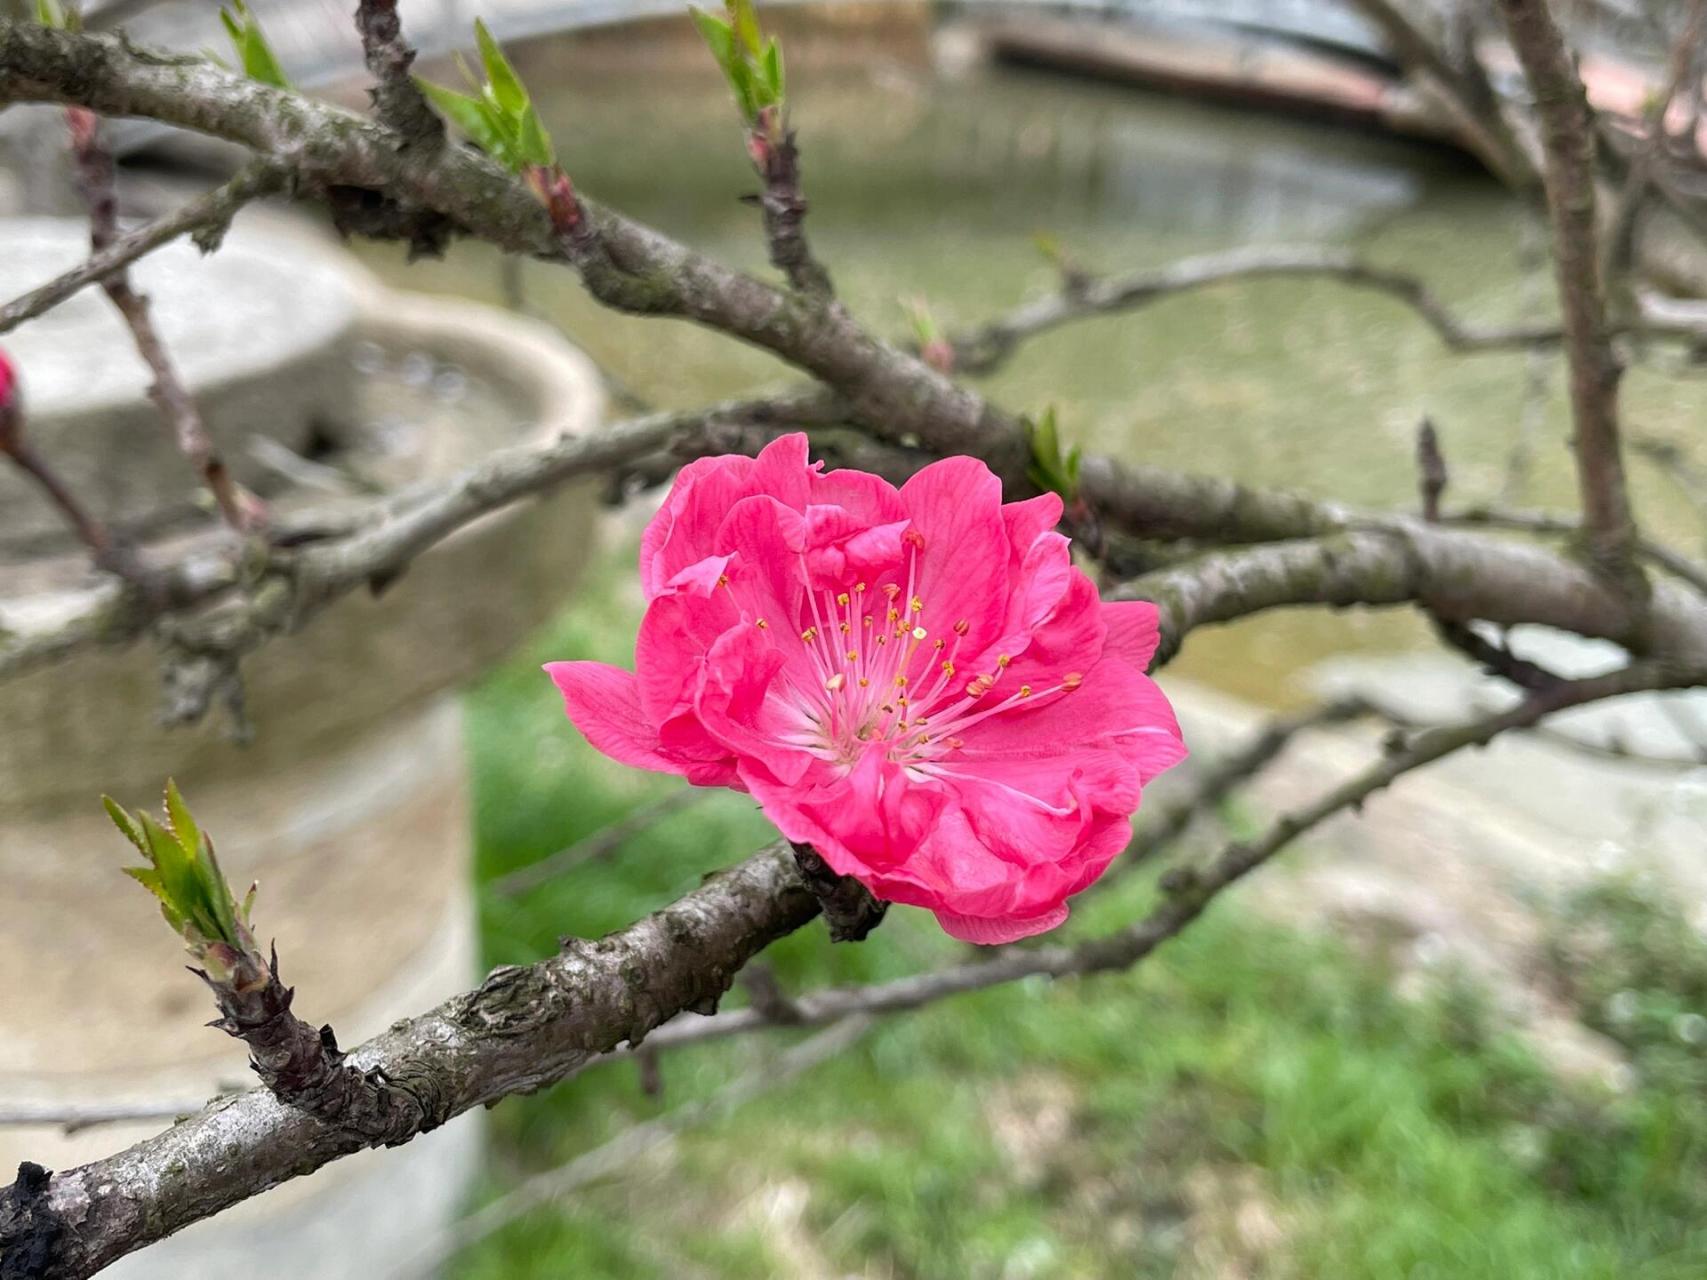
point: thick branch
(623, 263)
(1567, 139)
(523, 1029)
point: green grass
(1252, 1101)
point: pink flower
(915, 681)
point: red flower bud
(557, 194)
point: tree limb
(522, 1029)
(1568, 140)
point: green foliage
(1050, 468)
(751, 62)
(254, 52)
(61, 17)
(498, 115)
(184, 874)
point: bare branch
(1567, 138)
(396, 97)
(1673, 562)
(1621, 227)
(597, 846)
(556, 1185)
(207, 215)
(1461, 87)
(776, 156)
(986, 348)
(94, 161)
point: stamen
(919, 633)
(722, 579)
(914, 538)
(835, 682)
(809, 635)
(1002, 661)
(918, 605)
(762, 625)
(962, 627)
(842, 599)
(1072, 680)
(1025, 691)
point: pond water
(933, 188)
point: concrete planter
(350, 807)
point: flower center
(889, 670)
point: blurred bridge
(317, 43)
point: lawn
(1251, 1102)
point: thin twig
(73, 1118)
(1568, 140)
(631, 1144)
(207, 213)
(396, 98)
(1621, 226)
(241, 509)
(983, 349)
(596, 845)
(775, 154)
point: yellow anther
(853, 655)
(918, 605)
(1025, 691)
(948, 668)
(894, 614)
(762, 625)
(901, 682)
(864, 683)
(835, 682)
(722, 579)
(809, 635)
(846, 628)
(859, 586)
(842, 598)
(1072, 680)
(891, 590)
(1002, 661)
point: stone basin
(350, 805)
(270, 359)
(425, 386)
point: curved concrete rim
(560, 383)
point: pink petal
(604, 704)
(991, 931)
(684, 531)
(956, 505)
(1134, 631)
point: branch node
(849, 907)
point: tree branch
(94, 164)
(396, 98)
(206, 216)
(522, 1029)
(1567, 139)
